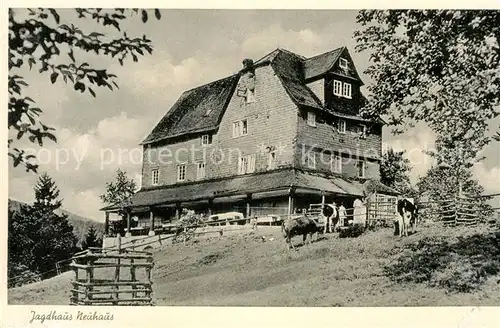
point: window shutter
(240, 165)
(251, 163)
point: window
(337, 164)
(244, 128)
(362, 131)
(342, 89)
(181, 172)
(155, 177)
(271, 160)
(250, 96)
(206, 139)
(343, 63)
(200, 171)
(341, 126)
(311, 160)
(311, 119)
(346, 90)
(240, 128)
(337, 88)
(246, 164)
(361, 169)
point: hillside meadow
(436, 266)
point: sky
(191, 48)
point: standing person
(342, 214)
(359, 212)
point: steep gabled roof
(289, 68)
(189, 113)
(319, 65)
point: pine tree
(38, 236)
(91, 239)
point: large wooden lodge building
(282, 133)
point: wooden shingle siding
(272, 120)
(326, 136)
(318, 88)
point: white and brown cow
(302, 225)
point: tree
(119, 190)
(38, 236)
(436, 66)
(394, 171)
(37, 40)
(91, 239)
(55, 240)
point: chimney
(247, 63)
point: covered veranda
(288, 189)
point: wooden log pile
(112, 277)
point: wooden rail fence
(118, 287)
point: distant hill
(80, 224)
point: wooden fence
(117, 287)
(452, 211)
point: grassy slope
(244, 270)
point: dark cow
(299, 226)
(407, 217)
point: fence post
(132, 277)
(117, 270)
(456, 211)
(90, 280)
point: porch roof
(242, 185)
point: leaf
(95, 34)
(144, 16)
(55, 14)
(31, 61)
(79, 86)
(92, 92)
(53, 77)
(70, 54)
(134, 57)
(157, 14)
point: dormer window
(346, 90)
(342, 89)
(343, 63)
(311, 119)
(337, 87)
